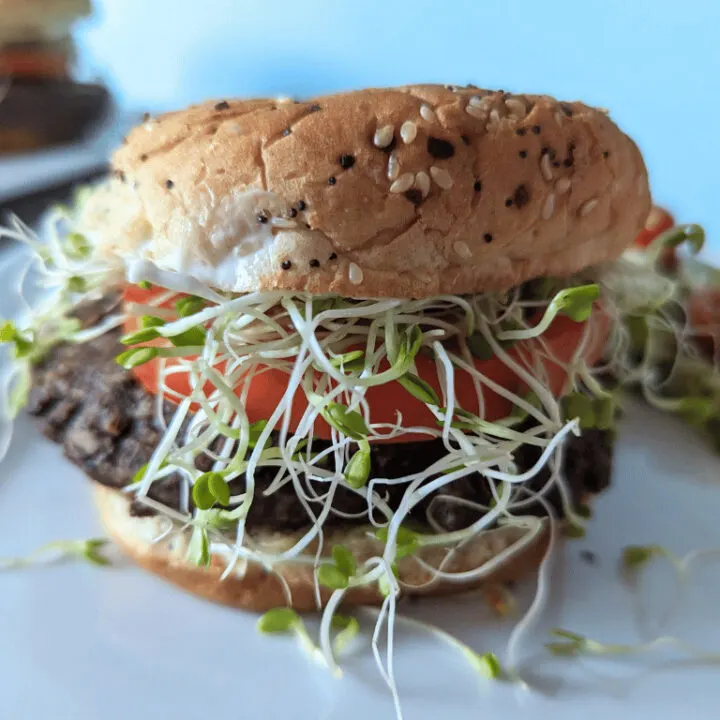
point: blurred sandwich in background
(40, 103)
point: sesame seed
(262, 218)
(545, 168)
(285, 264)
(475, 112)
(422, 183)
(588, 207)
(427, 113)
(462, 249)
(487, 237)
(332, 256)
(383, 136)
(314, 263)
(347, 161)
(393, 167)
(477, 101)
(169, 184)
(222, 105)
(301, 205)
(293, 212)
(414, 196)
(548, 207)
(403, 183)
(332, 180)
(494, 116)
(536, 129)
(355, 274)
(441, 177)
(562, 185)
(280, 222)
(477, 186)
(233, 128)
(523, 154)
(440, 149)
(408, 131)
(516, 107)
(521, 196)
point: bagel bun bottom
(258, 590)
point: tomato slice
(386, 401)
(33, 63)
(658, 221)
(704, 317)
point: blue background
(655, 64)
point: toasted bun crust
(258, 590)
(405, 192)
(37, 20)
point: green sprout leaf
(199, 547)
(357, 471)
(140, 336)
(145, 285)
(692, 234)
(480, 347)
(219, 488)
(348, 628)
(332, 577)
(489, 666)
(151, 321)
(348, 422)
(344, 560)
(419, 388)
(604, 408)
(577, 302)
(579, 405)
(8, 331)
(348, 359)
(77, 246)
(190, 305)
(278, 620)
(256, 429)
(137, 356)
(189, 338)
(407, 540)
(140, 474)
(77, 284)
(635, 557)
(89, 550)
(209, 488)
(573, 531)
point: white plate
(82, 643)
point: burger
(40, 104)
(360, 347)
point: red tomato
(658, 222)
(704, 317)
(267, 389)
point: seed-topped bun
(259, 590)
(37, 20)
(405, 192)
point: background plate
(84, 643)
